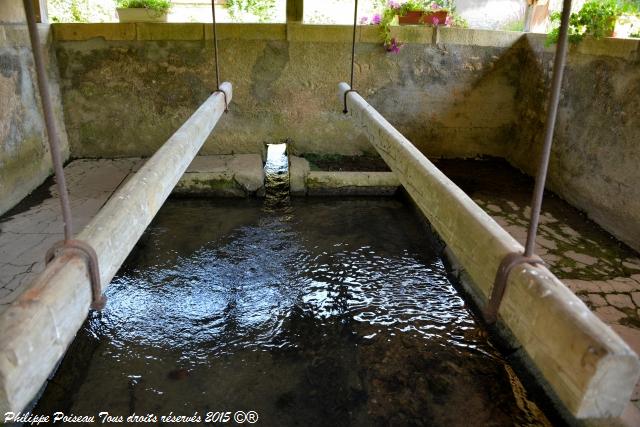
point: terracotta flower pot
(424, 18)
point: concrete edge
(299, 33)
(227, 175)
(17, 35)
(325, 183)
(304, 182)
(247, 31)
(625, 48)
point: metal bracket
(78, 247)
(346, 110)
(226, 105)
(500, 284)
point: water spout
(276, 170)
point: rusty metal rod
(215, 55)
(215, 43)
(345, 110)
(512, 260)
(552, 114)
(68, 244)
(49, 119)
(353, 41)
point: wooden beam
(37, 328)
(40, 7)
(582, 361)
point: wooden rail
(37, 328)
(582, 361)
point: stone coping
(295, 32)
(17, 36)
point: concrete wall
(596, 152)
(24, 154)
(11, 11)
(453, 93)
(127, 87)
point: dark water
(338, 313)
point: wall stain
(268, 69)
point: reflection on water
(339, 314)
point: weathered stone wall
(11, 12)
(127, 87)
(24, 153)
(452, 92)
(596, 154)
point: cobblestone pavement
(600, 270)
(31, 228)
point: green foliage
(458, 21)
(597, 18)
(80, 10)
(160, 6)
(263, 9)
(632, 6)
(517, 25)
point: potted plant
(421, 13)
(597, 18)
(143, 10)
(411, 12)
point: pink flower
(364, 20)
(435, 20)
(393, 46)
(375, 20)
(448, 21)
(435, 6)
(393, 4)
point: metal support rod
(514, 259)
(215, 56)
(78, 247)
(215, 43)
(49, 119)
(68, 244)
(353, 56)
(552, 113)
(353, 41)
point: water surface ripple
(338, 313)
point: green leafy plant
(597, 18)
(263, 9)
(160, 6)
(516, 25)
(80, 10)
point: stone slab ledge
(302, 33)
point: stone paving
(600, 270)
(31, 228)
